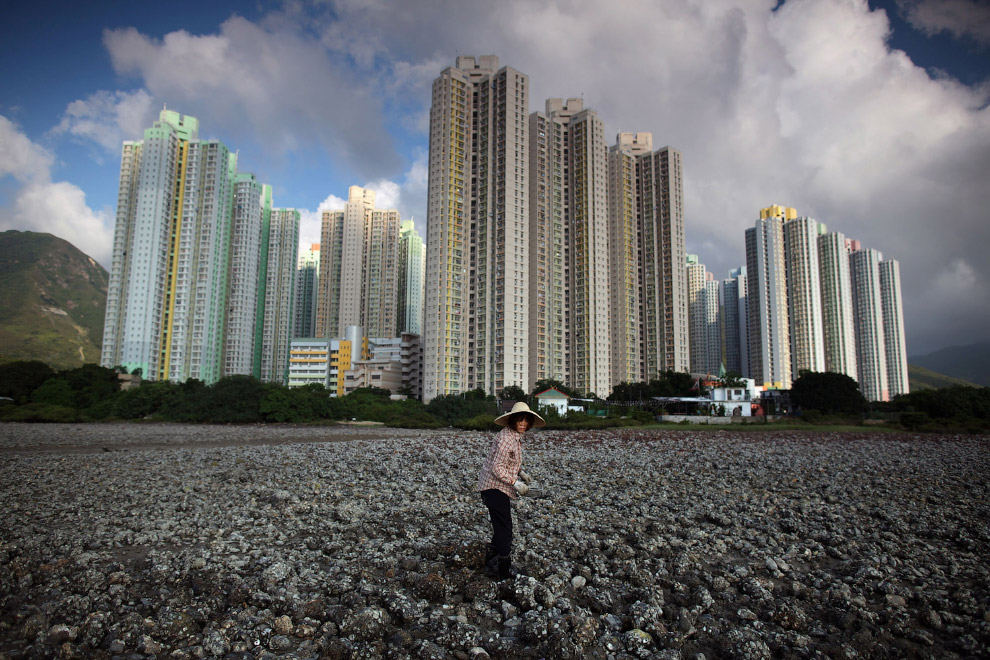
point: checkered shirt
(501, 469)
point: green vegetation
(827, 394)
(34, 392)
(52, 300)
(920, 378)
(970, 363)
(669, 384)
(90, 393)
(956, 409)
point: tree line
(34, 392)
(37, 393)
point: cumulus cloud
(405, 195)
(42, 205)
(310, 222)
(23, 159)
(960, 18)
(108, 117)
(804, 104)
(267, 80)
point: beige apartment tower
(624, 255)
(549, 264)
(476, 311)
(663, 279)
(570, 170)
(359, 268)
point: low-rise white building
(553, 398)
(736, 397)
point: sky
(871, 117)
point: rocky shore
(165, 541)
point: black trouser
(501, 514)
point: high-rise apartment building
(871, 343)
(242, 283)
(549, 263)
(696, 273)
(307, 292)
(697, 313)
(167, 293)
(276, 292)
(569, 209)
(664, 335)
(476, 320)
(359, 268)
(703, 318)
(733, 316)
(837, 306)
(412, 267)
(895, 348)
(625, 269)
(804, 294)
(769, 325)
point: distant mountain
(52, 300)
(970, 362)
(920, 378)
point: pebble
(303, 542)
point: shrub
(39, 412)
(915, 421)
(419, 419)
(482, 422)
(19, 379)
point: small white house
(738, 397)
(553, 398)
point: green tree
(19, 379)
(91, 384)
(281, 404)
(151, 398)
(828, 392)
(235, 399)
(514, 393)
(56, 392)
(451, 408)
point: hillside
(52, 300)
(970, 362)
(920, 378)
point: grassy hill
(920, 378)
(970, 362)
(52, 301)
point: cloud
(405, 195)
(41, 205)
(804, 104)
(310, 222)
(960, 18)
(269, 81)
(108, 118)
(23, 159)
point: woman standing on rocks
(502, 480)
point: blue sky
(870, 117)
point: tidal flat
(180, 541)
